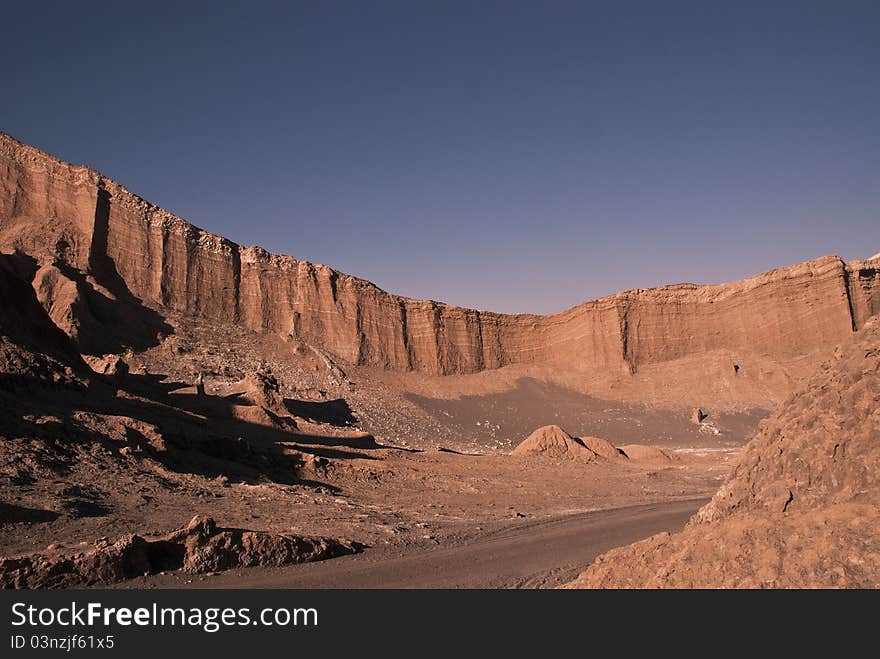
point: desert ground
(143, 456)
(178, 411)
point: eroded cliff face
(47, 207)
(124, 247)
(863, 285)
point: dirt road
(531, 554)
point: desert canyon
(182, 411)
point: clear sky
(515, 156)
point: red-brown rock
(802, 508)
(99, 227)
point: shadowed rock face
(129, 250)
(32, 347)
(802, 508)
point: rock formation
(118, 249)
(802, 508)
(261, 388)
(32, 348)
(112, 365)
(200, 547)
(697, 416)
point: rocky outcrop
(802, 508)
(64, 301)
(32, 348)
(863, 285)
(63, 214)
(199, 547)
(260, 388)
(112, 365)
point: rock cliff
(115, 247)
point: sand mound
(603, 447)
(554, 442)
(642, 453)
(199, 547)
(802, 508)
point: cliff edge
(104, 247)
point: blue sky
(514, 156)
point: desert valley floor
(407, 477)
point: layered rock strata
(75, 220)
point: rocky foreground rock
(802, 508)
(200, 547)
